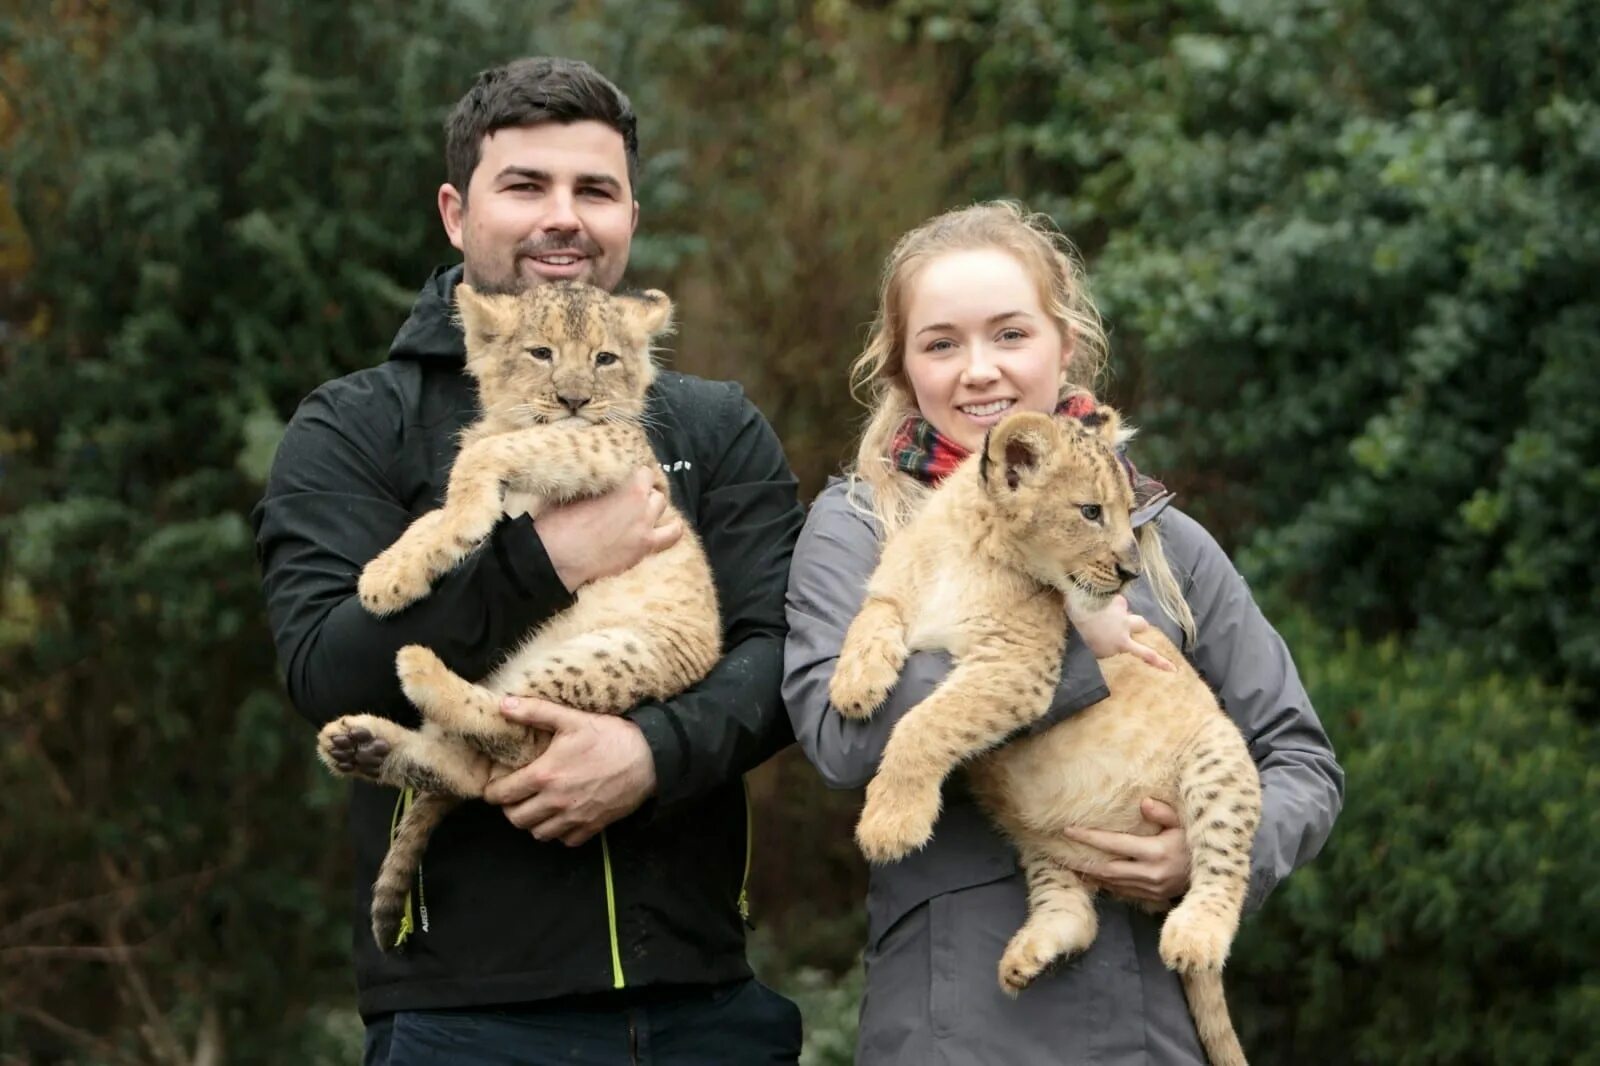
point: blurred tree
(220, 206)
(1348, 254)
(1455, 912)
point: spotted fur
(562, 373)
(1040, 517)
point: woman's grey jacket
(938, 921)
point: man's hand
(604, 535)
(1154, 868)
(597, 769)
(1109, 631)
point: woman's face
(978, 344)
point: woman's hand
(1154, 868)
(1109, 631)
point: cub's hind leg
(461, 709)
(387, 753)
(1219, 799)
(1061, 920)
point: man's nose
(561, 213)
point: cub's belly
(1091, 770)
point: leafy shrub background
(1346, 251)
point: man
(591, 910)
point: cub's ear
(485, 317)
(1105, 423)
(650, 311)
(1017, 447)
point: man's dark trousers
(739, 1024)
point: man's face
(547, 203)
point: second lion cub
(984, 572)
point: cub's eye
(1091, 511)
(541, 354)
(606, 358)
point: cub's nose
(574, 403)
(1125, 575)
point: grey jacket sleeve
(1242, 657)
(836, 554)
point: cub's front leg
(871, 659)
(977, 706)
(538, 464)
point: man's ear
(484, 318)
(1016, 447)
(452, 206)
(650, 311)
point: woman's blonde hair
(878, 380)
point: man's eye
(1091, 511)
(604, 194)
(606, 359)
(541, 354)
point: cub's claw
(861, 682)
(1192, 942)
(896, 820)
(389, 584)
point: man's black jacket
(501, 917)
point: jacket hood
(431, 333)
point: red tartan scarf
(929, 456)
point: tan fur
(984, 572)
(647, 633)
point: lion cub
(562, 372)
(984, 572)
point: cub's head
(1062, 502)
(561, 351)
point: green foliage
(217, 207)
(1346, 251)
(1454, 913)
(1348, 254)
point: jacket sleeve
(1242, 657)
(330, 506)
(733, 720)
(837, 552)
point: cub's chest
(959, 601)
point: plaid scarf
(929, 456)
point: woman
(984, 311)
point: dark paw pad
(358, 752)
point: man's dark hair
(527, 92)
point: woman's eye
(941, 346)
(541, 354)
(1091, 511)
(1011, 335)
(607, 359)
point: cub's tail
(389, 891)
(1210, 1010)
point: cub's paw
(1036, 947)
(861, 682)
(1192, 942)
(358, 745)
(897, 819)
(421, 673)
(391, 582)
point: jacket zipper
(749, 849)
(408, 923)
(611, 914)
